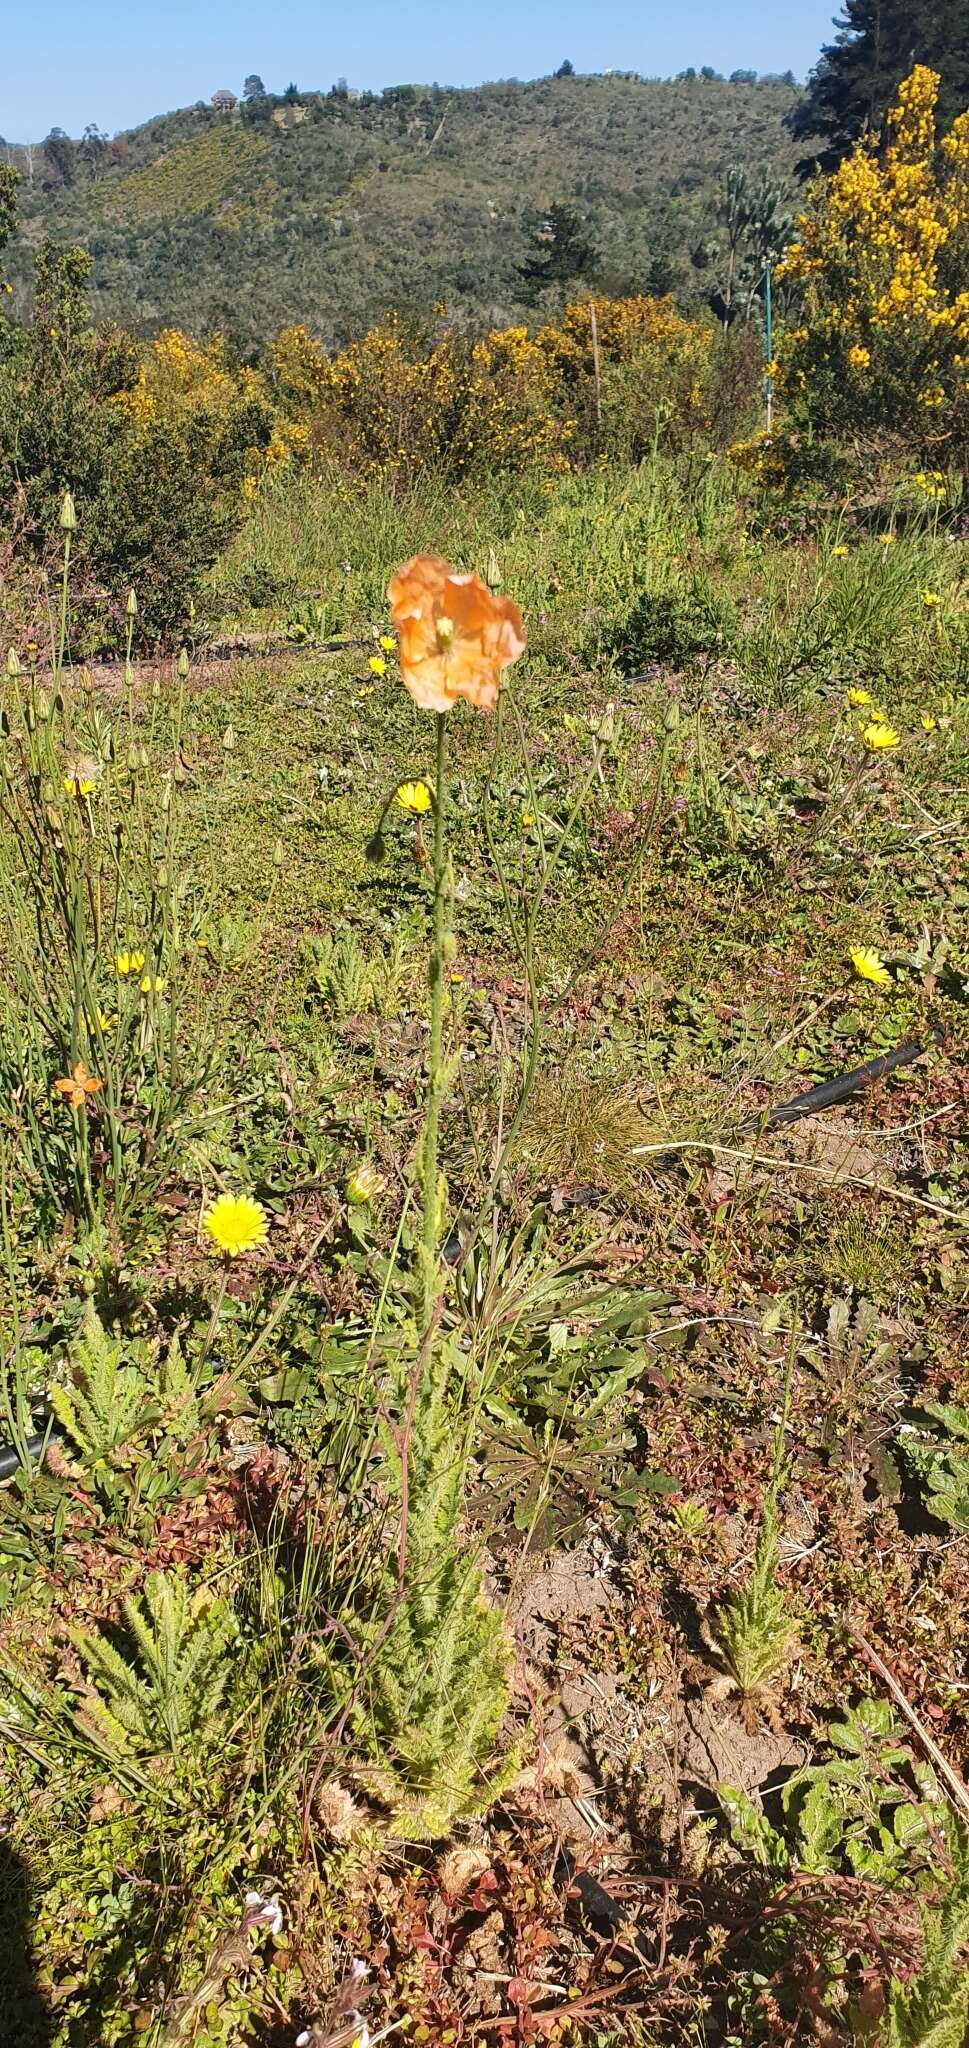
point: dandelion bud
(161, 875)
(155, 689)
(279, 854)
(376, 848)
(131, 606)
(492, 574)
(68, 514)
(13, 665)
(142, 757)
(131, 760)
(364, 1185)
(42, 707)
(449, 947)
(229, 738)
(182, 663)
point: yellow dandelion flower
(870, 966)
(377, 665)
(153, 984)
(930, 597)
(858, 698)
(98, 1020)
(388, 643)
(129, 963)
(528, 818)
(886, 540)
(927, 722)
(840, 550)
(78, 785)
(415, 797)
(879, 737)
(236, 1224)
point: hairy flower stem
(65, 578)
(435, 1069)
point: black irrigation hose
(827, 1093)
(10, 1456)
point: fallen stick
(950, 1777)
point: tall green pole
(769, 345)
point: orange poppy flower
(78, 1086)
(455, 637)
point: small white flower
(263, 1912)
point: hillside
(328, 209)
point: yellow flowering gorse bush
(880, 272)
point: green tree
(564, 251)
(854, 82)
(253, 88)
(9, 181)
(61, 154)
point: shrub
(155, 446)
(877, 356)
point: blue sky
(118, 61)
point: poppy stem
(435, 1064)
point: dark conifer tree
(856, 77)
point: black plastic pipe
(827, 1093)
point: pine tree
(855, 79)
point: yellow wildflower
(528, 818)
(878, 737)
(859, 357)
(886, 540)
(377, 665)
(857, 698)
(927, 722)
(129, 963)
(153, 984)
(98, 1020)
(930, 597)
(388, 643)
(415, 797)
(236, 1224)
(870, 966)
(78, 785)
(840, 550)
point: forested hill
(331, 208)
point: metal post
(769, 345)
